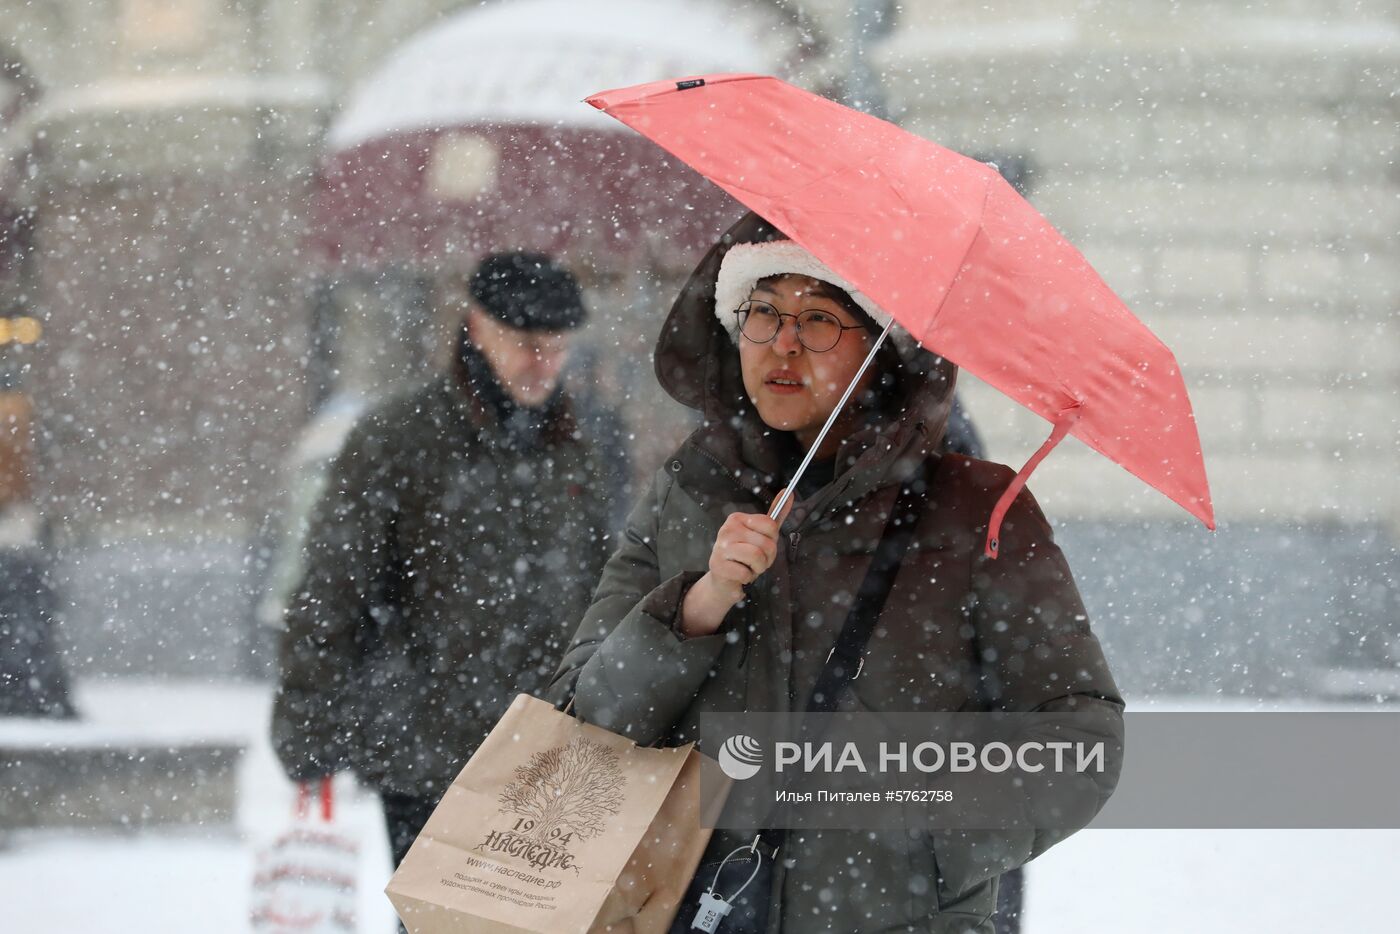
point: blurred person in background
(33, 677)
(456, 543)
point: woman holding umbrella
(709, 605)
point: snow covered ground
(198, 880)
(186, 881)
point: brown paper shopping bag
(559, 827)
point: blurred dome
(533, 61)
(473, 135)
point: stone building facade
(165, 176)
(1231, 173)
(159, 173)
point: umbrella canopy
(952, 252)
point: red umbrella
(952, 252)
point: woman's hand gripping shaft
(746, 546)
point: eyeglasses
(817, 330)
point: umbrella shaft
(830, 420)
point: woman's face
(793, 388)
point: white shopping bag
(305, 879)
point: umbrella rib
(962, 264)
(852, 167)
(761, 196)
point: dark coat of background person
(33, 680)
(446, 566)
(958, 633)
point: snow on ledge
(138, 712)
(168, 92)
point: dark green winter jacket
(959, 632)
(446, 567)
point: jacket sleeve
(320, 645)
(1038, 655)
(602, 536)
(628, 669)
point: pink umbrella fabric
(952, 252)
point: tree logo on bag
(560, 795)
(741, 757)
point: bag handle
(325, 796)
(567, 709)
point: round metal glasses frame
(744, 310)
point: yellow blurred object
(26, 330)
(15, 417)
(6, 331)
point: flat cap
(528, 291)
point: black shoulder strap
(842, 664)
